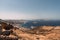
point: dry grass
(39, 33)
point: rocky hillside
(39, 33)
(8, 32)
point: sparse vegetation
(38, 33)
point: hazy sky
(30, 9)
